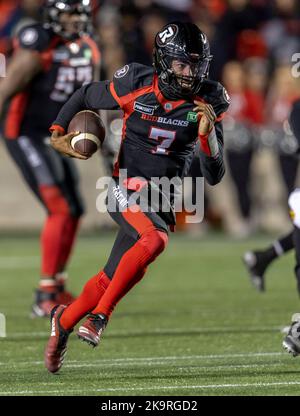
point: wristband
(209, 143)
(57, 127)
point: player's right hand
(207, 117)
(62, 143)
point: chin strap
(169, 92)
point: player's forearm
(209, 143)
(21, 70)
(211, 155)
(75, 104)
(12, 84)
(213, 169)
(94, 96)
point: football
(92, 132)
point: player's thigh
(70, 186)
(28, 162)
(294, 205)
(122, 244)
(64, 177)
(134, 220)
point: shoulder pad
(132, 77)
(34, 37)
(215, 94)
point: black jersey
(67, 65)
(159, 135)
(295, 121)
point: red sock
(67, 243)
(51, 242)
(88, 299)
(54, 230)
(131, 269)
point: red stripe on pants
(134, 262)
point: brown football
(92, 132)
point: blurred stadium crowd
(253, 43)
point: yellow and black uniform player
(257, 262)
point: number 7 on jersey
(166, 138)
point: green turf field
(193, 326)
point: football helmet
(55, 8)
(186, 44)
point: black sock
(286, 243)
(278, 248)
(296, 236)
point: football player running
(51, 60)
(167, 109)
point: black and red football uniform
(66, 66)
(160, 132)
(159, 135)
(159, 138)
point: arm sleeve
(295, 122)
(213, 169)
(94, 96)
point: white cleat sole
(289, 348)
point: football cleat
(43, 304)
(256, 267)
(56, 347)
(92, 329)
(292, 341)
(64, 297)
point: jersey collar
(168, 105)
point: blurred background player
(244, 117)
(258, 261)
(50, 61)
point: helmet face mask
(188, 71)
(68, 18)
(181, 59)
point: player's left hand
(208, 117)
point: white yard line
(122, 361)
(9, 262)
(154, 363)
(157, 331)
(177, 387)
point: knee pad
(54, 200)
(294, 205)
(154, 242)
(78, 211)
(98, 282)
